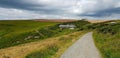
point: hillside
(12, 31)
(27, 31)
(24, 31)
(23, 37)
(107, 39)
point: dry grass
(22, 50)
(97, 21)
(64, 45)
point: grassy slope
(11, 30)
(55, 50)
(60, 44)
(19, 32)
(108, 45)
(46, 32)
(107, 39)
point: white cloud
(18, 14)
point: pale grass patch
(22, 50)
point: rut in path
(83, 48)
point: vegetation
(45, 53)
(79, 24)
(107, 39)
(106, 36)
(18, 32)
(63, 42)
(14, 32)
(56, 49)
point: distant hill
(55, 20)
(68, 20)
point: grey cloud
(65, 8)
(19, 4)
(103, 13)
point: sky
(59, 9)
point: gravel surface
(83, 48)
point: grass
(63, 42)
(19, 32)
(108, 45)
(14, 32)
(56, 41)
(67, 41)
(34, 48)
(44, 53)
(55, 50)
(107, 39)
(20, 26)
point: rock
(26, 39)
(18, 42)
(29, 37)
(37, 31)
(37, 37)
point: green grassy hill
(24, 31)
(11, 32)
(14, 33)
(20, 26)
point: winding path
(83, 48)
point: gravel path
(83, 48)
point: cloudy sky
(59, 9)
